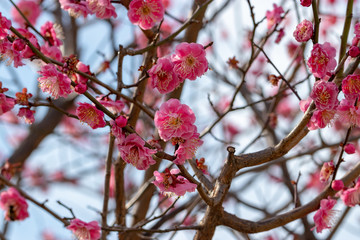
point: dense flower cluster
(101, 8)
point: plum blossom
(274, 17)
(75, 8)
(51, 33)
(27, 115)
(30, 9)
(200, 164)
(89, 114)
(102, 8)
(163, 77)
(52, 52)
(114, 106)
(349, 148)
(351, 196)
(322, 60)
(175, 120)
(357, 29)
(14, 204)
(324, 95)
(54, 82)
(83, 230)
(348, 113)
(27, 52)
(146, 13)
(132, 151)
(324, 217)
(189, 60)
(321, 118)
(354, 51)
(326, 171)
(22, 98)
(351, 86)
(6, 104)
(170, 182)
(305, 3)
(303, 31)
(187, 149)
(10, 53)
(5, 25)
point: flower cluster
(175, 122)
(188, 62)
(146, 13)
(14, 204)
(170, 182)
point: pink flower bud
(354, 51)
(337, 185)
(349, 148)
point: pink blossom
(304, 104)
(326, 171)
(116, 128)
(274, 17)
(54, 82)
(321, 118)
(12, 55)
(357, 30)
(322, 60)
(14, 204)
(5, 25)
(337, 185)
(175, 120)
(349, 148)
(303, 31)
(89, 114)
(27, 115)
(171, 182)
(51, 33)
(75, 8)
(163, 76)
(348, 113)
(6, 104)
(314, 182)
(351, 196)
(305, 3)
(351, 86)
(146, 13)
(83, 230)
(30, 9)
(324, 95)
(102, 8)
(189, 60)
(52, 52)
(280, 35)
(114, 106)
(200, 164)
(27, 52)
(187, 149)
(324, 217)
(132, 151)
